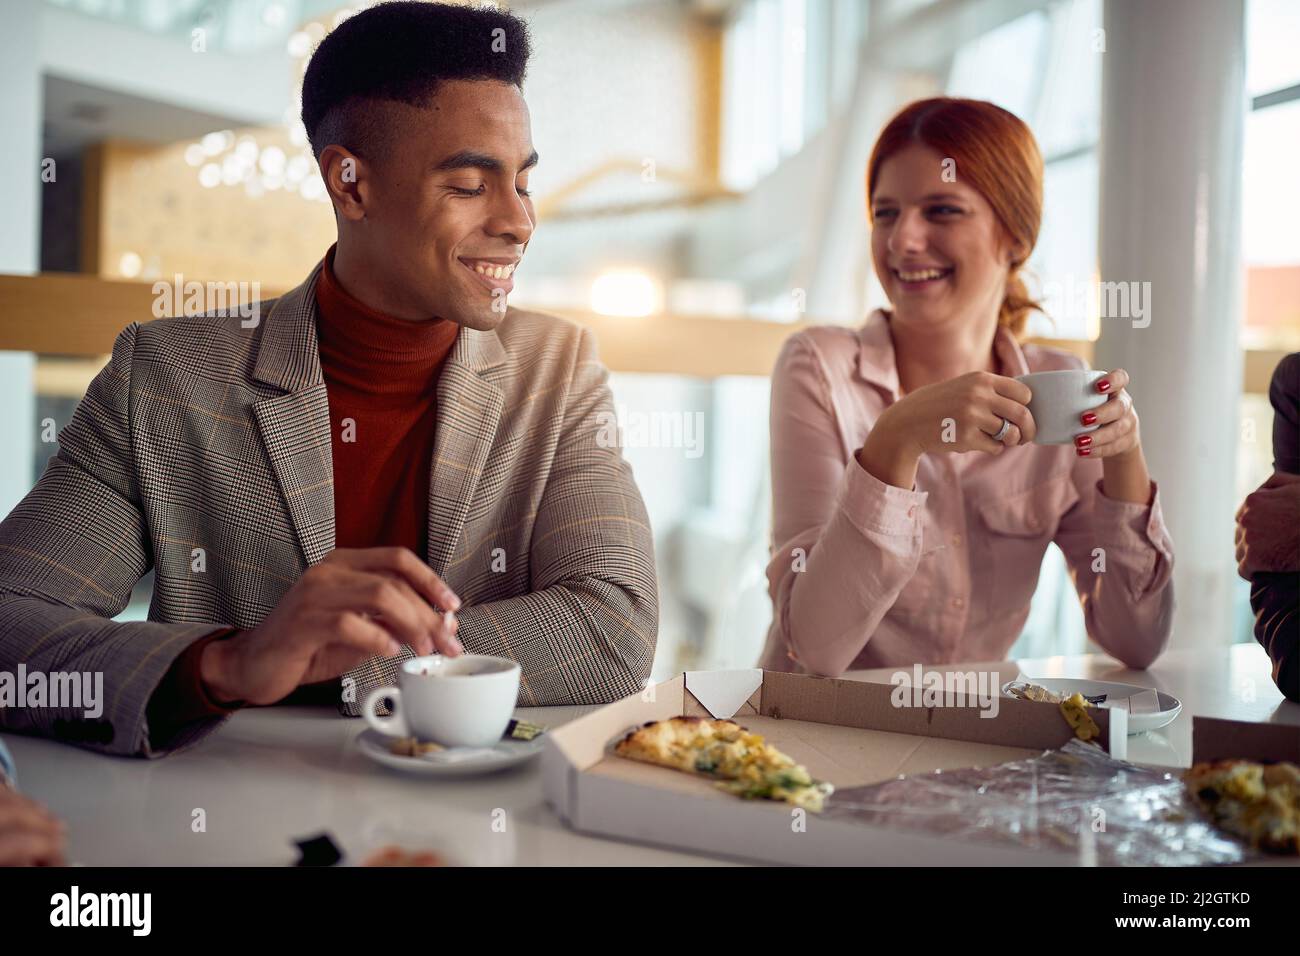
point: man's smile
(494, 273)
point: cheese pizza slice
(1260, 803)
(742, 761)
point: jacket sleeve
(1275, 596)
(844, 543)
(70, 553)
(586, 633)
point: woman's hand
(1118, 433)
(1117, 442)
(959, 415)
(963, 414)
(1268, 527)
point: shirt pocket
(1030, 514)
(1017, 530)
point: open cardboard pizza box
(848, 732)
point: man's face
(447, 211)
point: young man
(386, 443)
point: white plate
(452, 762)
(1170, 706)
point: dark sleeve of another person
(1275, 597)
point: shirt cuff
(876, 507)
(1137, 526)
(180, 697)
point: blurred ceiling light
(271, 161)
(194, 154)
(299, 45)
(130, 264)
(625, 292)
(299, 168)
(210, 175)
(214, 143)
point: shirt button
(911, 512)
(958, 602)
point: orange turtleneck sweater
(381, 376)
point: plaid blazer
(203, 434)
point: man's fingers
(428, 621)
(387, 600)
(421, 577)
(445, 639)
(365, 635)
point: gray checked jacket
(201, 433)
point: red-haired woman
(892, 543)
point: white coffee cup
(1059, 400)
(464, 701)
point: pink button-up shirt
(865, 574)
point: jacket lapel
(469, 409)
(295, 427)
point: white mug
(461, 701)
(1059, 400)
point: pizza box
(851, 733)
(848, 732)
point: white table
(272, 775)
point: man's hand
(29, 834)
(353, 605)
(1268, 527)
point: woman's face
(937, 246)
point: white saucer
(452, 762)
(1170, 706)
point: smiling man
(389, 462)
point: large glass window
(1270, 243)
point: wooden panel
(77, 315)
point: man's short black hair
(402, 52)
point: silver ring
(1006, 425)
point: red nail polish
(1084, 451)
(1083, 441)
(1103, 385)
(1089, 418)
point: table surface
(274, 775)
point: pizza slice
(741, 760)
(1260, 803)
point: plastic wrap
(1077, 799)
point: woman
(909, 521)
